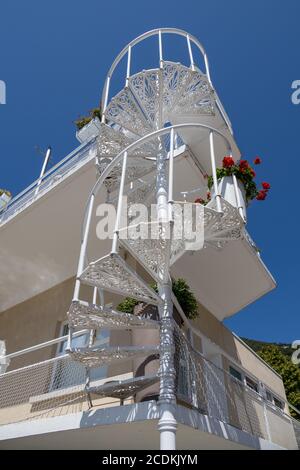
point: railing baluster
(119, 209)
(214, 171)
(160, 49)
(192, 63)
(128, 66)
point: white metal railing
(52, 177)
(159, 32)
(216, 393)
(57, 386)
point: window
(251, 384)
(274, 400)
(235, 373)
(278, 403)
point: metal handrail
(128, 50)
(46, 344)
(49, 174)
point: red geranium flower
(261, 195)
(266, 185)
(257, 161)
(243, 164)
(253, 174)
(208, 196)
(228, 162)
(199, 200)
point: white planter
(89, 130)
(227, 191)
(4, 200)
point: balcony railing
(72, 162)
(57, 386)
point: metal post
(167, 399)
(190, 52)
(237, 198)
(119, 209)
(128, 66)
(160, 49)
(107, 83)
(46, 160)
(214, 171)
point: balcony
(214, 409)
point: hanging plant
(84, 120)
(5, 191)
(184, 295)
(244, 173)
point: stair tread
(112, 273)
(123, 389)
(100, 356)
(87, 315)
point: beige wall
(39, 319)
(235, 349)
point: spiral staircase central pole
(167, 398)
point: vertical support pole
(237, 198)
(128, 66)
(207, 69)
(107, 84)
(119, 209)
(81, 261)
(46, 160)
(160, 49)
(167, 398)
(192, 63)
(214, 170)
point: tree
(289, 372)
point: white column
(167, 399)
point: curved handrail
(158, 31)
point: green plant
(84, 120)
(245, 173)
(5, 191)
(182, 291)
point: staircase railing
(159, 32)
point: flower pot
(227, 191)
(4, 200)
(89, 130)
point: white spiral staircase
(147, 118)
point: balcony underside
(39, 247)
(136, 429)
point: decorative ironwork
(114, 274)
(125, 111)
(123, 389)
(87, 315)
(98, 357)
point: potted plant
(88, 126)
(5, 197)
(144, 337)
(245, 175)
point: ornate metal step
(125, 111)
(174, 89)
(123, 389)
(137, 167)
(86, 315)
(112, 273)
(152, 248)
(98, 357)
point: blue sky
(54, 57)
